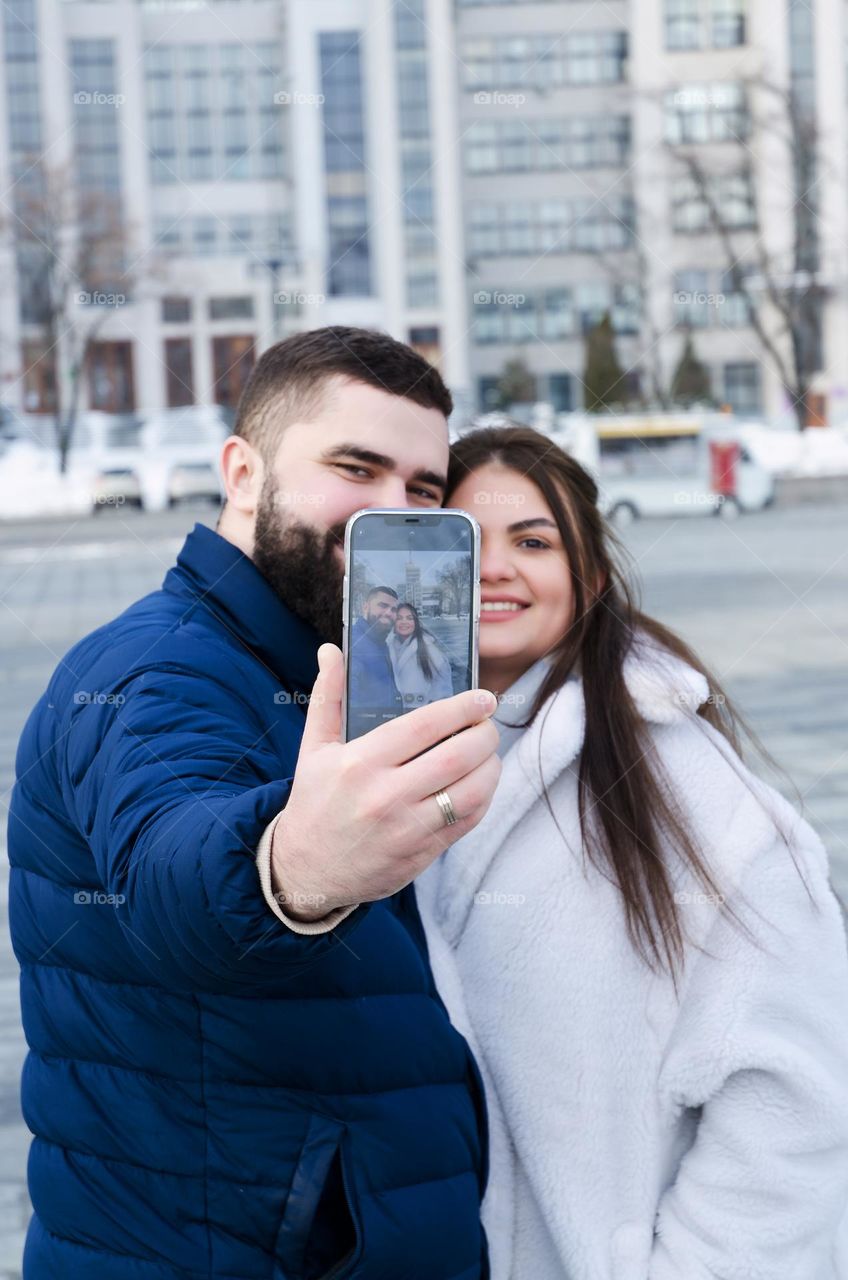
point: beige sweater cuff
(263, 864)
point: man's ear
(243, 473)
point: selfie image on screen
(409, 617)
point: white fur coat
(411, 682)
(637, 1134)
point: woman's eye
(538, 541)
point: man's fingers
(449, 761)
(402, 739)
(324, 715)
(470, 797)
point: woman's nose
(495, 564)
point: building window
(707, 113)
(683, 24)
(707, 299)
(561, 392)
(734, 312)
(595, 299)
(411, 25)
(592, 58)
(732, 196)
(39, 366)
(584, 225)
(692, 299)
(488, 395)
(503, 316)
(179, 376)
(422, 288)
(110, 377)
(427, 341)
(176, 310)
(413, 97)
(526, 146)
(552, 315)
(240, 308)
(96, 107)
(742, 387)
(212, 111)
(541, 62)
(349, 265)
(232, 361)
(557, 315)
(205, 236)
(727, 23)
(21, 72)
(704, 24)
(236, 234)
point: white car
(180, 456)
(155, 460)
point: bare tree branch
(74, 244)
(783, 299)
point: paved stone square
(764, 599)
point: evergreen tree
(604, 383)
(516, 385)
(691, 381)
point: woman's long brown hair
(626, 809)
(418, 634)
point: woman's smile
(501, 608)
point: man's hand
(361, 821)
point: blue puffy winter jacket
(211, 1094)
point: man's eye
(350, 466)
(426, 493)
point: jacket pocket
(319, 1236)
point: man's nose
(391, 493)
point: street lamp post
(272, 265)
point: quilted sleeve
(172, 783)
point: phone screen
(411, 612)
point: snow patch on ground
(30, 484)
(816, 451)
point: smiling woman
(552, 593)
(639, 940)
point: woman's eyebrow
(382, 460)
(537, 523)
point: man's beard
(301, 564)
(377, 630)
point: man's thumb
(324, 715)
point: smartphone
(411, 612)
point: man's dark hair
(381, 591)
(289, 382)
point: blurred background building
(189, 180)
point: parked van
(666, 464)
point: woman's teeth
(501, 606)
